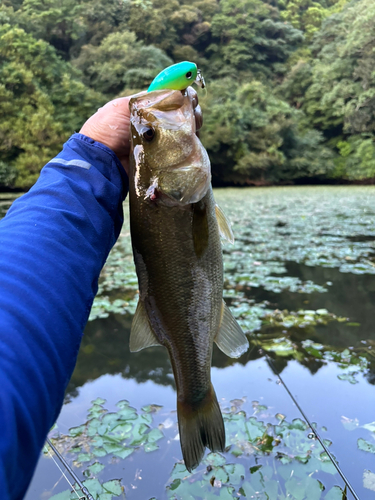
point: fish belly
(178, 258)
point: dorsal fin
(230, 337)
(224, 225)
(141, 335)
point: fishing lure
(178, 77)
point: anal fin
(230, 337)
(224, 225)
(141, 335)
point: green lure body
(177, 77)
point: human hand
(110, 125)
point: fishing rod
(314, 431)
(85, 491)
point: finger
(198, 117)
(193, 96)
(120, 104)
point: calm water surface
(297, 248)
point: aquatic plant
(266, 456)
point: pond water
(300, 278)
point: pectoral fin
(230, 338)
(141, 335)
(224, 225)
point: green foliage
(8, 174)
(307, 15)
(149, 20)
(42, 101)
(118, 434)
(172, 24)
(57, 23)
(99, 20)
(250, 36)
(336, 90)
(291, 90)
(114, 64)
(259, 135)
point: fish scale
(173, 289)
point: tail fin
(200, 426)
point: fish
(178, 77)
(175, 232)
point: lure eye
(148, 134)
(189, 75)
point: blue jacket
(54, 242)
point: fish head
(168, 162)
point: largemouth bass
(177, 251)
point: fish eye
(148, 134)
(188, 75)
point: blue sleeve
(53, 244)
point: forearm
(53, 244)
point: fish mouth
(162, 100)
(170, 199)
(173, 197)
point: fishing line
(62, 472)
(83, 488)
(314, 431)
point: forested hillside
(291, 83)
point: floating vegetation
(350, 363)
(118, 284)
(103, 306)
(299, 279)
(107, 490)
(368, 444)
(118, 433)
(300, 319)
(285, 463)
(327, 227)
(108, 434)
(252, 274)
(266, 456)
(322, 227)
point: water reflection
(105, 350)
(105, 345)
(329, 368)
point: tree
(120, 61)
(248, 35)
(308, 15)
(291, 90)
(100, 19)
(254, 137)
(337, 89)
(176, 26)
(150, 21)
(42, 101)
(58, 23)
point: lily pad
(94, 486)
(113, 487)
(365, 445)
(154, 436)
(94, 469)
